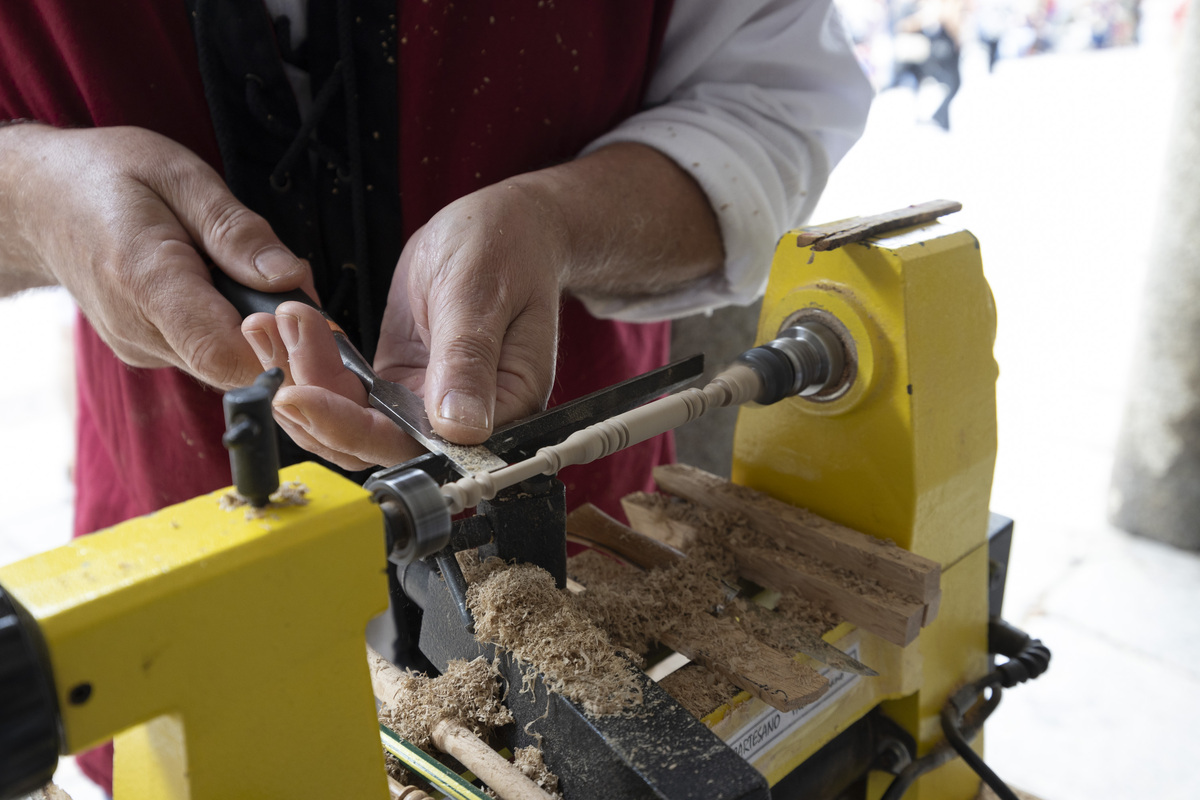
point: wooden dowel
(733, 386)
(508, 782)
(455, 739)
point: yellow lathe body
(225, 653)
(906, 454)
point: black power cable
(968, 708)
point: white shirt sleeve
(758, 100)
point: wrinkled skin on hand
(470, 325)
(119, 216)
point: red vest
(486, 90)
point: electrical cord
(968, 708)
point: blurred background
(1051, 121)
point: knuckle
(226, 221)
(206, 356)
(475, 351)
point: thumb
(237, 240)
(460, 391)
(487, 369)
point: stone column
(1156, 480)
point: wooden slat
(890, 616)
(838, 234)
(764, 672)
(651, 521)
(894, 567)
(768, 674)
(594, 527)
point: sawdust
(710, 528)
(517, 607)
(637, 608)
(289, 493)
(793, 623)
(698, 689)
(397, 771)
(529, 761)
(466, 692)
(641, 608)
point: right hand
(120, 217)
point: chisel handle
(249, 301)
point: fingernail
(275, 263)
(263, 347)
(289, 330)
(292, 415)
(465, 409)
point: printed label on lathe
(771, 726)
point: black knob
(250, 437)
(29, 730)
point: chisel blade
(399, 404)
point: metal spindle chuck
(415, 513)
(805, 359)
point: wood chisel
(396, 401)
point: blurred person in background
(927, 48)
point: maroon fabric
(487, 90)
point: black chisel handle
(249, 301)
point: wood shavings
(467, 692)
(671, 606)
(289, 493)
(529, 761)
(636, 608)
(519, 609)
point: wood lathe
(222, 648)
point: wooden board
(894, 618)
(641, 547)
(595, 528)
(894, 567)
(874, 608)
(838, 234)
(768, 674)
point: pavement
(1057, 160)
(1058, 163)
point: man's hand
(119, 216)
(472, 316)
(471, 325)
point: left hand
(471, 325)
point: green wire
(428, 767)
